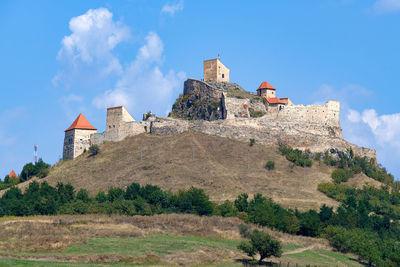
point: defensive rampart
(269, 132)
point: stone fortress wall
(119, 125)
(313, 127)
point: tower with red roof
(77, 137)
(266, 90)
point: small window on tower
(223, 75)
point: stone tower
(215, 71)
(77, 137)
(266, 90)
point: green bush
(252, 142)
(256, 113)
(341, 175)
(94, 150)
(270, 165)
(317, 156)
(295, 155)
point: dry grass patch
(216, 164)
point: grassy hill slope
(159, 240)
(223, 167)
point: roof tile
(266, 85)
(274, 100)
(12, 174)
(81, 123)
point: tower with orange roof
(77, 137)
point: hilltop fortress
(218, 107)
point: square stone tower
(77, 137)
(215, 71)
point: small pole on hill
(141, 153)
(248, 159)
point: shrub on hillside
(94, 150)
(341, 175)
(270, 165)
(295, 155)
(252, 142)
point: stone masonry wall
(239, 107)
(76, 141)
(269, 132)
(214, 70)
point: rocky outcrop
(199, 101)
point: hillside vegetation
(224, 168)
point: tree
(241, 202)
(132, 192)
(101, 197)
(263, 244)
(83, 195)
(115, 193)
(66, 193)
(40, 168)
(27, 172)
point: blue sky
(60, 58)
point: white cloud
(94, 36)
(140, 85)
(381, 132)
(386, 6)
(143, 86)
(353, 116)
(172, 8)
(386, 128)
(112, 98)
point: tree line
(366, 222)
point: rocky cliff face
(199, 101)
(203, 101)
